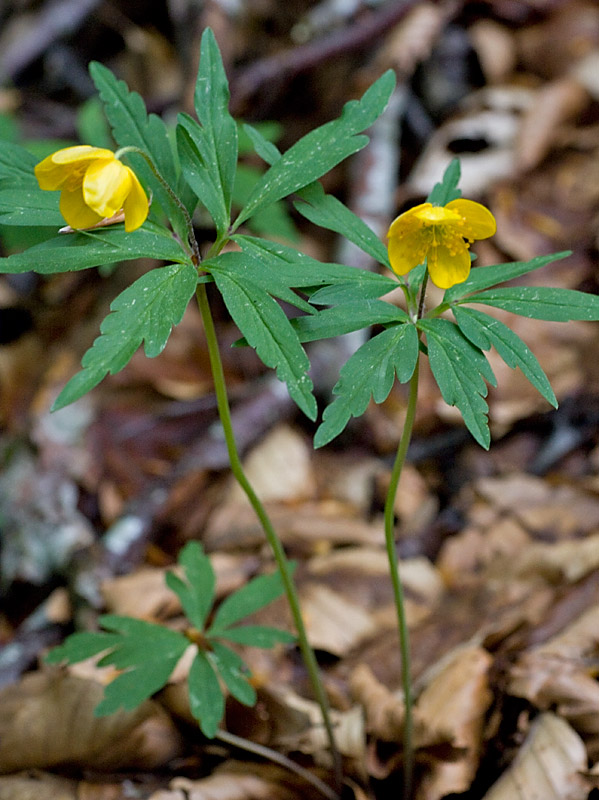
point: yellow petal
(75, 211)
(407, 251)
(407, 221)
(136, 204)
(106, 185)
(446, 269)
(54, 171)
(479, 223)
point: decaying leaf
(547, 767)
(47, 720)
(456, 702)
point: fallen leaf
(547, 767)
(47, 720)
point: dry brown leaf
(309, 528)
(555, 674)
(246, 783)
(547, 767)
(47, 720)
(279, 469)
(384, 710)
(34, 785)
(456, 702)
(551, 511)
(495, 48)
(560, 561)
(553, 104)
(334, 624)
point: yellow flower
(94, 185)
(442, 235)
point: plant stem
(278, 758)
(271, 536)
(404, 636)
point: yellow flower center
(436, 214)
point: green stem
(404, 636)
(271, 536)
(195, 251)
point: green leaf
(330, 213)
(268, 131)
(370, 371)
(196, 162)
(75, 251)
(257, 636)
(273, 220)
(30, 207)
(211, 100)
(447, 190)
(260, 270)
(16, 164)
(301, 271)
(132, 126)
(484, 277)
(539, 302)
(81, 646)
(366, 286)
(256, 594)
(144, 312)
(92, 125)
(234, 673)
(265, 148)
(351, 316)
(196, 592)
(149, 653)
(484, 331)
(266, 328)
(321, 149)
(459, 367)
(206, 699)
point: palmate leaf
(481, 278)
(266, 328)
(447, 190)
(211, 100)
(345, 318)
(257, 636)
(29, 206)
(16, 164)
(256, 594)
(206, 700)
(273, 220)
(132, 126)
(145, 311)
(75, 251)
(301, 271)
(321, 149)
(460, 369)
(324, 209)
(196, 592)
(370, 371)
(484, 331)
(328, 212)
(234, 673)
(146, 652)
(261, 270)
(539, 302)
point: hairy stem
(404, 637)
(271, 536)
